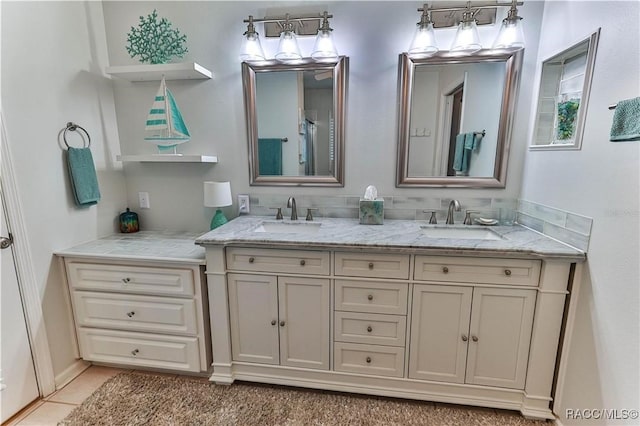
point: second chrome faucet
(453, 205)
(291, 203)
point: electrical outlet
(243, 204)
(143, 198)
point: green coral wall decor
(155, 42)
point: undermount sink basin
(460, 233)
(288, 227)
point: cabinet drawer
(369, 359)
(131, 279)
(130, 312)
(139, 349)
(372, 329)
(372, 265)
(480, 270)
(281, 261)
(374, 297)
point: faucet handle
(278, 213)
(467, 216)
(433, 220)
(309, 215)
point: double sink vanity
(460, 314)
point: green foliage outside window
(566, 120)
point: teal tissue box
(371, 211)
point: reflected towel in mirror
(465, 144)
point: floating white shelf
(168, 158)
(154, 72)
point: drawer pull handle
(126, 280)
(370, 297)
(135, 352)
(251, 260)
(445, 269)
(303, 262)
(507, 272)
(274, 322)
(369, 329)
(464, 338)
(130, 314)
(368, 360)
(474, 338)
(281, 323)
(370, 265)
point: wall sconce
(217, 194)
(467, 40)
(324, 49)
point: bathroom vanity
(466, 315)
(139, 300)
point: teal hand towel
(459, 154)
(270, 157)
(82, 174)
(626, 121)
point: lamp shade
(424, 41)
(251, 49)
(288, 49)
(217, 194)
(511, 35)
(467, 40)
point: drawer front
(480, 270)
(131, 279)
(369, 359)
(373, 329)
(280, 261)
(372, 265)
(374, 297)
(139, 349)
(141, 313)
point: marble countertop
(395, 235)
(145, 245)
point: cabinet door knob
(135, 352)
(130, 314)
(507, 272)
(369, 329)
(445, 269)
(281, 323)
(251, 260)
(303, 262)
(126, 280)
(370, 265)
(464, 338)
(368, 360)
(370, 297)
(274, 322)
(474, 338)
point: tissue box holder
(371, 211)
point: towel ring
(74, 127)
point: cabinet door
(439, 332)
(304, 322)
(253, 312)
(500, 333)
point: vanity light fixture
(324, 49)
(467, 40)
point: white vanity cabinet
(140, 313)
(403, 323)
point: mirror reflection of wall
(448, 100)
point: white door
(18, 386)
(304, 322)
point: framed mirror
(565, 82)
(455, 117)
(296, 122)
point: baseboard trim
(71, 372)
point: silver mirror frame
(586, 89)
(406, 70)
(340, 72)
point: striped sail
(165, 126)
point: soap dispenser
(129, 222)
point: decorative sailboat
(165, 126)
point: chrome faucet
(453, 205)
(291, 203)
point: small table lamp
(217, 194)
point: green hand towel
(270, 157)
(459, 154)
(82, 174)
(626, 121)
